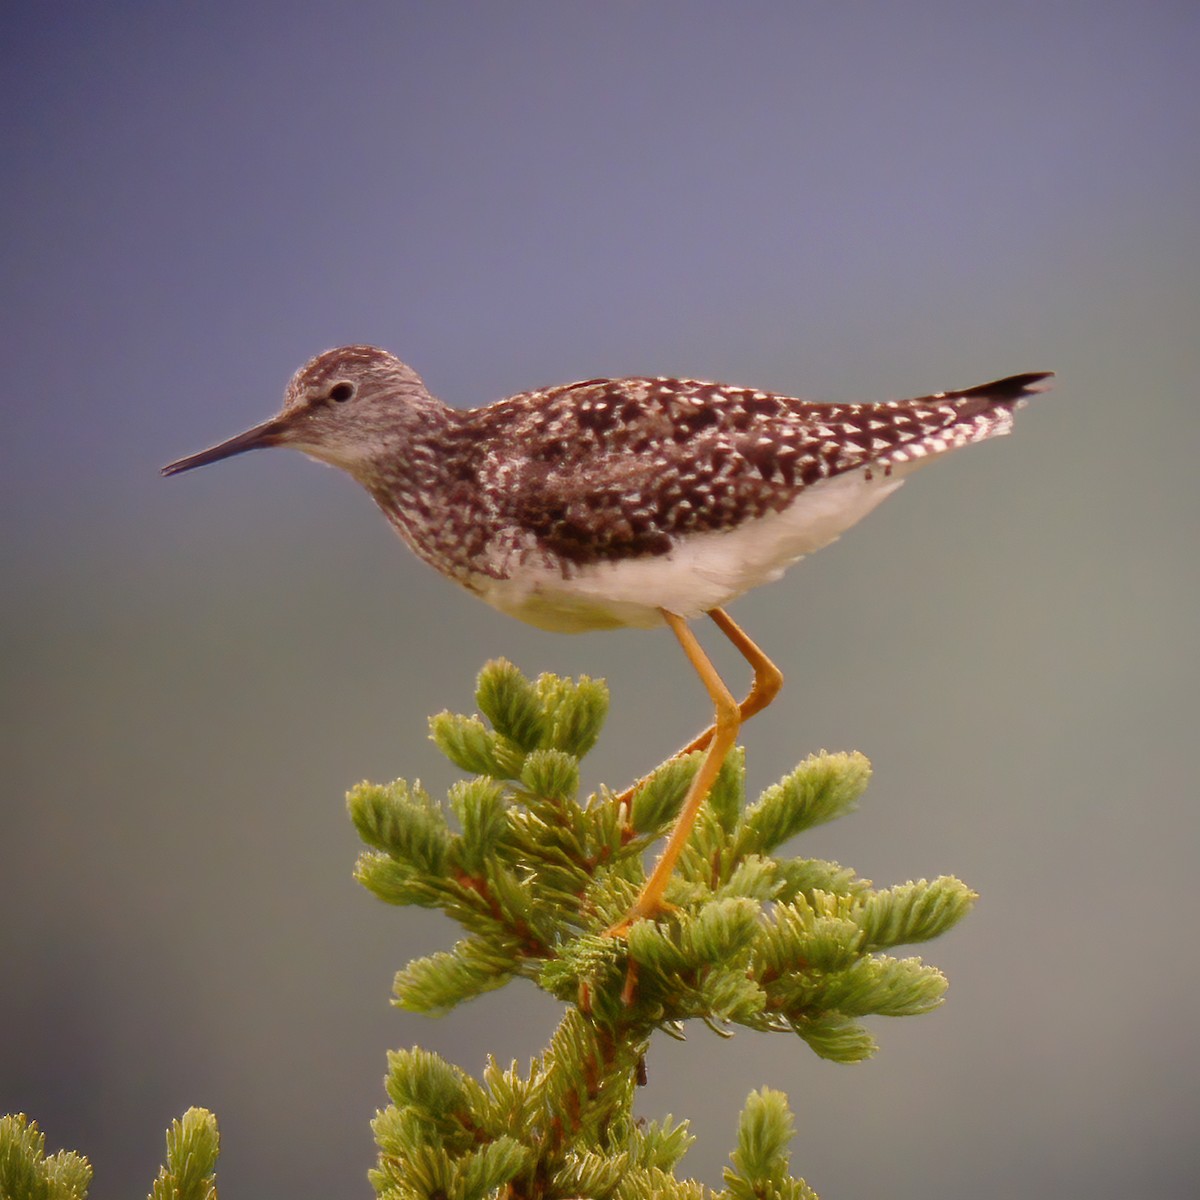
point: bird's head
(350, 407)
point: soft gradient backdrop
(850, 201)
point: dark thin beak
(269, 433)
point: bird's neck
(416, 474)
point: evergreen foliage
(192, 1145)
(535, 878)
(27, 1173)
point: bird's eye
(341, 392)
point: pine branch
(28, 1173)
(535, 877)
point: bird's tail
(1011, 391)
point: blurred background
(856, 201)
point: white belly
(707, 570)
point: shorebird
(621, 502)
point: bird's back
(607, 469)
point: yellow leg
(768, 679)
(722, 737)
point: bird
(629, 502)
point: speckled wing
(622, 468)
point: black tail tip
(1011, 388)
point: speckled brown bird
(621, 502)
